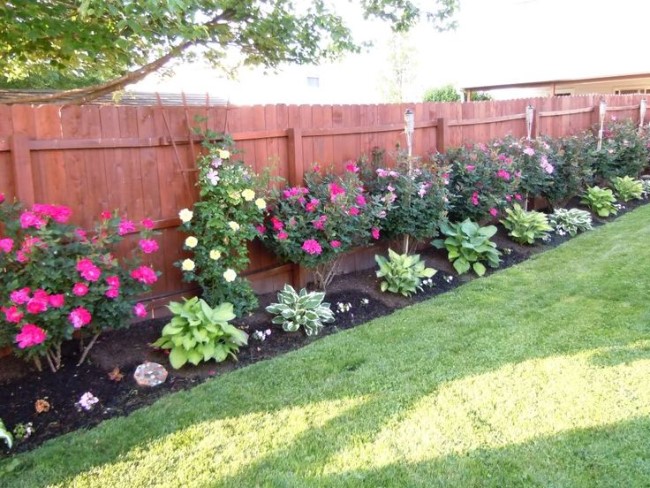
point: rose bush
(57, 279)
(220, 225)
(313, 225)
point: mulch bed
(21, 385)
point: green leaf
(479, 269)
(177, 358)
(461, 266)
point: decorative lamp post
(530, 114)
(602, 111)
(409, 128)
(642, 108)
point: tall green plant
(402, 273)
(526, 226)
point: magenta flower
(312, 205)
(79, 317)
(354, 211)
(139, 310)
(30, 335)
(88, 270)
(125, 227)
(260, 228)
(30, 219)
(375, 233)
(311, 246)
(529, 151)
(475, 198)
(470, 167)
(20, 297)
(319, 223)
(113, 281)
(503, 174)
(105, 215)
(12, 314)
(21, 257)
(60, 213)
(494, 212)
(335, 191)
(147, 224)
(282, 235)
(144, 274)
(360, 200)
(518, 196)
(148, 246)
(57, 301)
(2, 198)
(112, 293)
(351, 168)
(335, 244)
(277, 223)
(80, 289)
(6, 244)
(38, 304)
(81, 234)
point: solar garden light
(642, 108)
(530, 114)
(602, 111)
(409, 128)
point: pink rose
(30, 335)
(125, 227)
(30, 219)
(139, 310)
(360, 200)
(335, 244)
(113, 281)
(81, 234)
(147, 224)
(529, 151)
(354, 211)
(79, 317)
(518, 196)
(475, 198)
(494, 212)
(282, 235)
(260, 228)
(335, 191)
(311, 246)
(88, 270)
(277, 223)
(148, 246)
(470, 167)
(2, 198)
(20, 297)
(38, 304)
(351, 168)
(105, 215)
(6, 244)
(80, 289)
(375, 233)
(112, 293)
(12, 314)
(144, 274)
(57, 301)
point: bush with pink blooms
(57, 279)
(315, 224)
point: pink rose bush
(59, 279)
(314, 224)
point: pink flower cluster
(145, 275)
(296, 191)
(39, 213)
(503, 174)
(335, 190)
(311, 246)
(319, 223)
(30, 335)
(385, 173)
(79, 317)
(88, 270)
(546, 166)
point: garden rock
(150, 374)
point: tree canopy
(107, 44)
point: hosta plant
(627, 188)
(402, 273)
(199, 332)
(5, 435)
(570, 221)
(526, 226)
(600, 200)
(469, 246)
(646, 188)
(305, 309)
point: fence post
(296, 173)
(442, 132)
(21, 163)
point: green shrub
(624, 151)
(600, 200)
(573, 169)
(304, 309)
(526, 226)
(468, 246)
(402, 273)
(570, 221)
(627, 188)
(198, 332)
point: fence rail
(141, 159)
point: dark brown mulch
(21, 386)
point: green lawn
(535, 376)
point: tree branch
(86, 94)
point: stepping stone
(150, 374)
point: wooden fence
(140, 160)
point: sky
(497, 41)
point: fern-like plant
(198, 332)
(570, 221)
(402, 273)
(469, 246)
(304, 309)
(526, 226)
(628, 188)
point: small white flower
(87, 401)
(260, 203)
(229, 275)
(248, 195)
(191, 242)
(224, 154)
(215, 254)
(233, 225)
(365, 301)
(187, 265)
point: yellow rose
(187, 265)
(234, 226)
(261, 204)
(248, 195)
(229, 275)
(191, 242)
(234, 196)
(223, 154)
(215, 254)
(186, 215)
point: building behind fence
(141, 160)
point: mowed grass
(538, 375)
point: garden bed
(121, 351)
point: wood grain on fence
(141, 159)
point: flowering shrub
(483, 181)
(624, 151)
(573, 168)
(220, 226)
(57, 279)
(313, 225)
(416, 200)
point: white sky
(497, 41)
